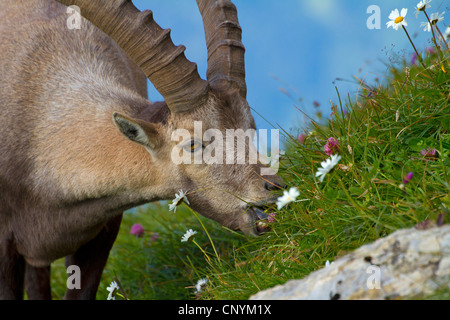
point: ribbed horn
(150, 47)
(226, 62)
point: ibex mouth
(262, 224)
(260, 220)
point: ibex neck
(85, 157)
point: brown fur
(67, 173)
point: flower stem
(443, 38)
(417, 53)
(122, 293)
(203, 251)
(207, 233)
(434, 36)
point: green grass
(380, 134)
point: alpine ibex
(81, 143)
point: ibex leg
(91, 259)
(12, 269)
(37, 283)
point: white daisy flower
(179, 198)
(447, 33)
(201, 285)
(422, 5)
(288, 197)
(190, 233)
(397, 19)
(327, 166)
(426, 26)
(113, 287)
(434, 19)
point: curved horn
(150, 47)
(226, 63)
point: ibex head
(228, 192)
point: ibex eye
(193, 146)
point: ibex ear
(139, 131)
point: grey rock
(407, 263)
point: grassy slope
(381, 135)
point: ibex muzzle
(81, 143)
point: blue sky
(302, 47)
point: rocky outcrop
(408, 263)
